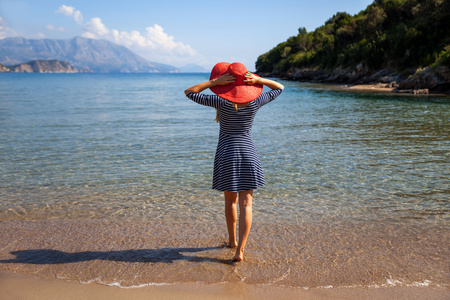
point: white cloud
(71, 12)
(156, 45)
(5, 31)
(155, 39)
(131, 39)
(153, 44)
(95, 29)
(157, 35)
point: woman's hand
(251, 78)
(224, 79)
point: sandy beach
(371, 88)
(17, 286)
(129, 260)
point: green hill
(390, 39)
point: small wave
(119, 285)
(389, 283)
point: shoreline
(376, 88)
(19, 286)
(309, 255)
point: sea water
(113, 172)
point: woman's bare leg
(231, 217)
(245, 222)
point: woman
(237, 168)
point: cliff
(4, 69)
(43, 66)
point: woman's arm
(222, 80)
(252, 79)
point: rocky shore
(425, 81)
(42, 66)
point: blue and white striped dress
(236, 165)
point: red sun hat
(238, 91)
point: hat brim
(238, 91)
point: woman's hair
(217, 111)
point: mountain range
(100, 56)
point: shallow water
(106, 178)
(131, 146)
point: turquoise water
(132, 146)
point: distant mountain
(88, 54)
(192, 68)
(42, 66)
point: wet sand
(16, 286)
(303, 256)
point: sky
(176, 33)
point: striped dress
(236, 164)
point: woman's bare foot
(232, 245)
(239, 256)
(229, 245)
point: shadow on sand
(164, 255)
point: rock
(388, 79)
(443, 73)
(421, 92)
(376, 77)
(362, 68)
(346, 75)
(392, 85)
(306, 74)
(418, 81)
(415, 92)
(431, 78)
